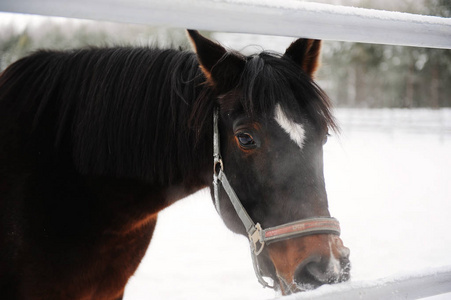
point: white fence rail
(282, 17)
(415, 287)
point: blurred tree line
(370, 75)
(81, 33)
(353, 74)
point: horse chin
(311, 280)
(287, 288)
(287, 285)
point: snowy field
(388, 178)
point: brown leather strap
(301, 228)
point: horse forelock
(270, 80)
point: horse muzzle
(307, 262)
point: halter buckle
(256, 237)
(217, 163)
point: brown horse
(95, 142)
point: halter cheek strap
(258, 237)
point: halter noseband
(258, 237)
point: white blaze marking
(295, 131)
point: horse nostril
(310, 276)
(325, 271)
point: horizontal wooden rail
(281, 17)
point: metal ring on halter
(218, 161)
(216, 173)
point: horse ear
(306, 54)
(221, 68)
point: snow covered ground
(388, 178)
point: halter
(259, 237)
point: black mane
(123, 111)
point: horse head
(273, 121)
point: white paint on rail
(282, 17)
(404, 287)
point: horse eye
(245, 139)
(326, 137)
